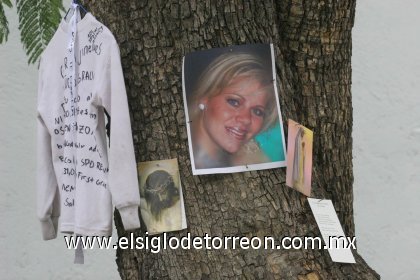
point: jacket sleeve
(123, 181)
(48, 202)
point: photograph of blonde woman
(234, 119)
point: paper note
(337, 243)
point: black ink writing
(69, 171)
(87, 162)
(82, 76)
(64, 67)
(94, 33)
(65, 159)
(85, 178)
(100, 183)
(91, 164)
(69, 202)
(100, 167)
(95, 149)
(67, 188)
(73, 144)
(79, 128)
(97, 49)
(58, 120)
(88, 49)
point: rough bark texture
(312, 41)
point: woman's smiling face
(236, 114)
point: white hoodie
(77, 175)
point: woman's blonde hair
(223, 70)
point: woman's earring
(201, 106)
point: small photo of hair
(299, 158)
(161, 196)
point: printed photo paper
(299, 158)
(161, 199)
(232, 110)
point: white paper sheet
(329, 225)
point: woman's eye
(258, 112)
(233, 102)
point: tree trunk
(312, 44)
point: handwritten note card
(338, 245)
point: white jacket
(79, 178)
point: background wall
(386, 132)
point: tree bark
(312, 43)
